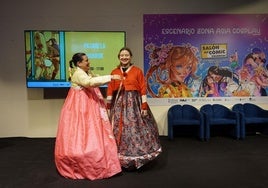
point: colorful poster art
(198, 56)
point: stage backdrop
(206, 58)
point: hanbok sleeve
(143, 88)
(85, 80)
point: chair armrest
(264, 113)
(170, 115)
(241, 114)
(204, 115)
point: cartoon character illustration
(40, 54)
(45, 54)
(254, 63)
(234, 61)
(219, 82)
(210, 87)
(246, 86)
(172, 70)
(54, 56)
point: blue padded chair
(250, 115)
(184, 115)
(219, 115)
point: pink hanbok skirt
(85, 146)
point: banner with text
(203, 58)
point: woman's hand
(144, 113)
(116, 77)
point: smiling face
(84, 64)
(125, 58)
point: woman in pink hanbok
(85, 146)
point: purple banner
(206, 55)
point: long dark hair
(224, 72)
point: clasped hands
(144, 113)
